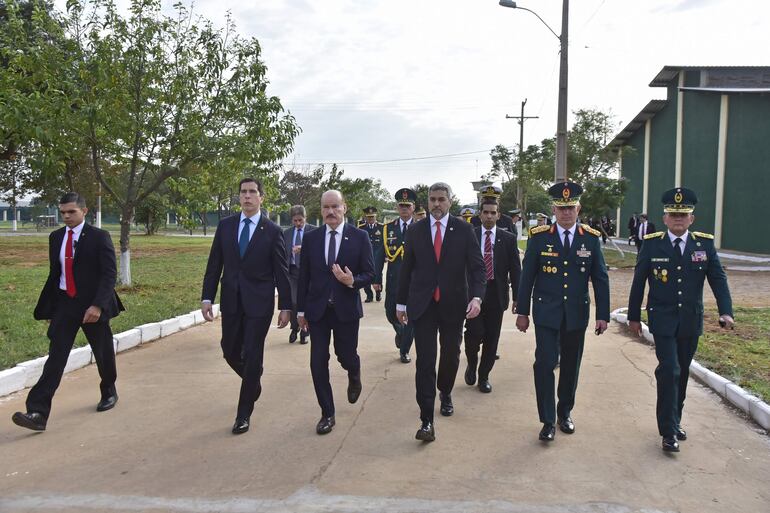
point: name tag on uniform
(659, 259)
(699, 256)
(548, 254)
(583, 253)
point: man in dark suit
(504, 221)
(503, 267)
(434, 295)
(78, 294)
(374, 229)
(394, 235)
(558, 263)
(336, 263)
(643, 228)
(248, 254)
(676, 263)
(292, 238)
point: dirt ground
(748, 288)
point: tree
(161, 96)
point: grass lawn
(741, 355)
(167, 273)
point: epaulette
(702, 235)
(539, 229)
(653, 235)
(592, 231)
(360, 225)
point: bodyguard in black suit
(336, 262)
(249, 256)
(558, 263)
(78, 294)
(643, 228)
(434, 295)
(503, 268)
(394, 236)
(676, 263)
(292, 239)
(504, 221)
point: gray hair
(441, 186)
(297, 210)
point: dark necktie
(488, 256)
(566, 241)
(678, 248)
(69, 275)
(332, 255)
(403, 227)
(243, 240)
(297, 242)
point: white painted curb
(26, 374)
(750, 404)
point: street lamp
(561, 119)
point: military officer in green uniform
(504, 222)
(374, 229)
(558, 263)
(675, 263)
(420, 213)
(392, 252)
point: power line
(390, 160)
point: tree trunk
(125, 249)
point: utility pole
(522, 118)
(561, 122)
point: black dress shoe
(240, 426)
(405, 358)
(303, 337)
(107, 403)
(548, 433)
(566, 425)
(292, 336)
(379, 296)
(670, 444)
(32, 420)
(485, 386)
(470, 375)
(426, 433)
(325, 425)
(447, 408)
(497, 356)
(681, 434)
(354, 389)
(368, 300)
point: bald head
(333, 208)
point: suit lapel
(79, 246)
(668, 248)
(689, 247)
(260, 228)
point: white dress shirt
(642, 230)
(571, 235)
(76, 231)
(484, 241)
(252, 225)
(671, 237)
(327, 238)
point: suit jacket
(650, 228)
(506, 263)
(421, 273)
(288, 241)
(94, 269)
(675, 301)
(249, 281)
(554, 284)
(317, 283)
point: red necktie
(488, 256)
(437, 251)
(69, 276)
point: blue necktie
(243, 240)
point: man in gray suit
(293, 241)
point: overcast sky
(397, 79)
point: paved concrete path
(167, 445)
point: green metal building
(711, 134)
